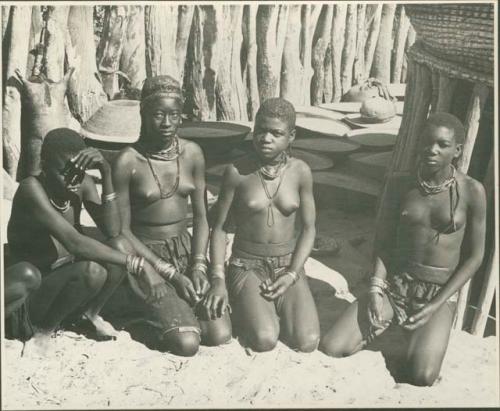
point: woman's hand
(421, 317)
(90, 159)
(216, 300)
(375, 309)
(200, 282)
(184, 287)
(153, 284)
(272, 290)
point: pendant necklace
(271, 172)
(170, 153)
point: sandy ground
(71, 371)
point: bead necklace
(62, 209)
(429, 189)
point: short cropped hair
(278, 108)
(441, 119)
(61, 142)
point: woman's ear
(292, 135)
(458, 151)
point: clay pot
(377, 110)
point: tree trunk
(16, 38)
(133, 56)
(185, 20)
(382, 59)
(410, 39)
(292, 70)
(271, 34)
(349, 51)
(203, 75)
(56, 41)
(110, 48)
(320, 47)
(36, 28)
(372, 38)
(337, 44)
(359, 59)
(250, 42)
(328, 80)
(399, 46)
(85, 92)
(161, 34)
(230, 91)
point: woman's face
(439, 147)
(271, 136)
(161, 118)
(59, 175)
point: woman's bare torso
(426, 233)
(152, 216)
(251, 206)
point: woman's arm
(121, 175)
(104, 211)
(200, 223)
(474, 244)
(306, 237)
(77, 244)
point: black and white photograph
(250, 204)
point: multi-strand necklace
(61, 208)
(170, 153)
(271, 172)
(429, 189)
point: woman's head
(161, 109)
(58, 147)
(274, 128)
(442, 140)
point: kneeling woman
(434, 244)
(265, 192)
(154, 179)
(59, 272)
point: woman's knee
(29, 275)
(264, 340)
(93, 275)
(185, 343)
(424, 376)
(333, 347)
(306, 342)
(218, 335)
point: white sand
(75, 372)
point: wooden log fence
(229, 58)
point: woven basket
(462, 34)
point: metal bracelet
(217, 271)
(164, 268)
(107, 198)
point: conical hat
(353, 107)
(326, 145)
(117, 121)
(322, 126)
(355, 120)
(373, 138)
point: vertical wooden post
(337, 44)
(319, 54)
(57, 36)
(490, 284)
(16, 57)
(399, 45)
(371, 41)
(359, 58)
(349, 51)
(133, 56)
(250, 40)
(185, 20)
(382, 59)
(478, 99)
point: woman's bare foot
(104, 331)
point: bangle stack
(134, 264)
(107, 198)
(165, 269)
(218, 271)
(292, 274)
(200, 263)
(378, 285)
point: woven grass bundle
(462, 34)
